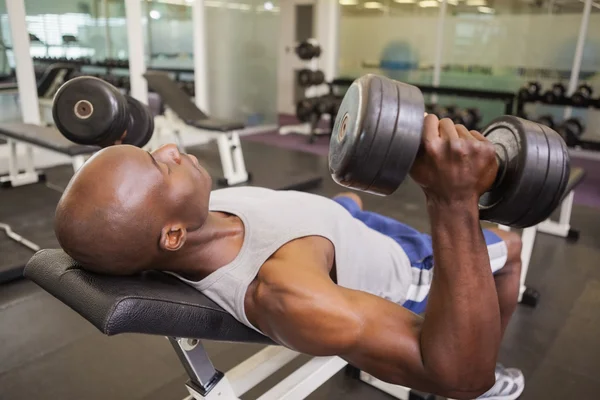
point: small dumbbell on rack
(308, 77)
(582, 97)
(555, 95)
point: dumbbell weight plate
(305, 77)
(304, 110)
(555, 184)
(141, 123)
(87, 110)
(318, 77)
(532, 175)
(377, 134)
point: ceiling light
(476, 3)
(372, 5)
(428, 3)
(349, 2)
(405, 1)
(268, 6)
(486, 10)
(451, 2)
(154, 14)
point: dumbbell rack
(565, 102)
(308, 128)
(508, 98)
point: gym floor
(48, 351)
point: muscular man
(320, 276)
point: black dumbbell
(306, 109)
(530, 92)
(556, 95)
(547, 120)
(582, 96)
(307, 51)
(378, 134)
(469, 117)
(89, 111)
(307, 77)
(571, 130)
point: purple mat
(587, 193)
(292, 141)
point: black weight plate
(141, 123)
(405, 142)
(305, 77)
(376, 135)
(87, 110)
(318, 77)
(555, 183)
(525, 171)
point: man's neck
(210, 247)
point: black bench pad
(48, 138)
(152, 303)
(184, 107)
(218, 125)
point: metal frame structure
(207, 383)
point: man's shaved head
(125, 208)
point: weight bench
(43, 137)
(228, 140)
(527, 295)
(156, 303)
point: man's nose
(168, 152)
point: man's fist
(454, 164)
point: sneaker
(509, 384)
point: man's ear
(172, 237)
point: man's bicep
(371, 333)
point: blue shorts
(419, 250)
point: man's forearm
(461, 332)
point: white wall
(535, 41)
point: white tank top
(365, 259)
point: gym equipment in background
(582, 96)
(308, 77)
(307, 50)
(547, 120)
(530, 92)
(555, 95)
(378, 133)
(571, 131)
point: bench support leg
(306, 379)
(204, 378)
(561, 228)
(232, 159)
(257, 368)
(396, 391)
(528, 240)
(14, 177)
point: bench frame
(207, 383)
(15, 177)
(561, 228)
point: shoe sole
(513, 396)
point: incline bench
(527, 295)
(43, 137)
(158, 304)
(228, 140)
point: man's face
(184, 184)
